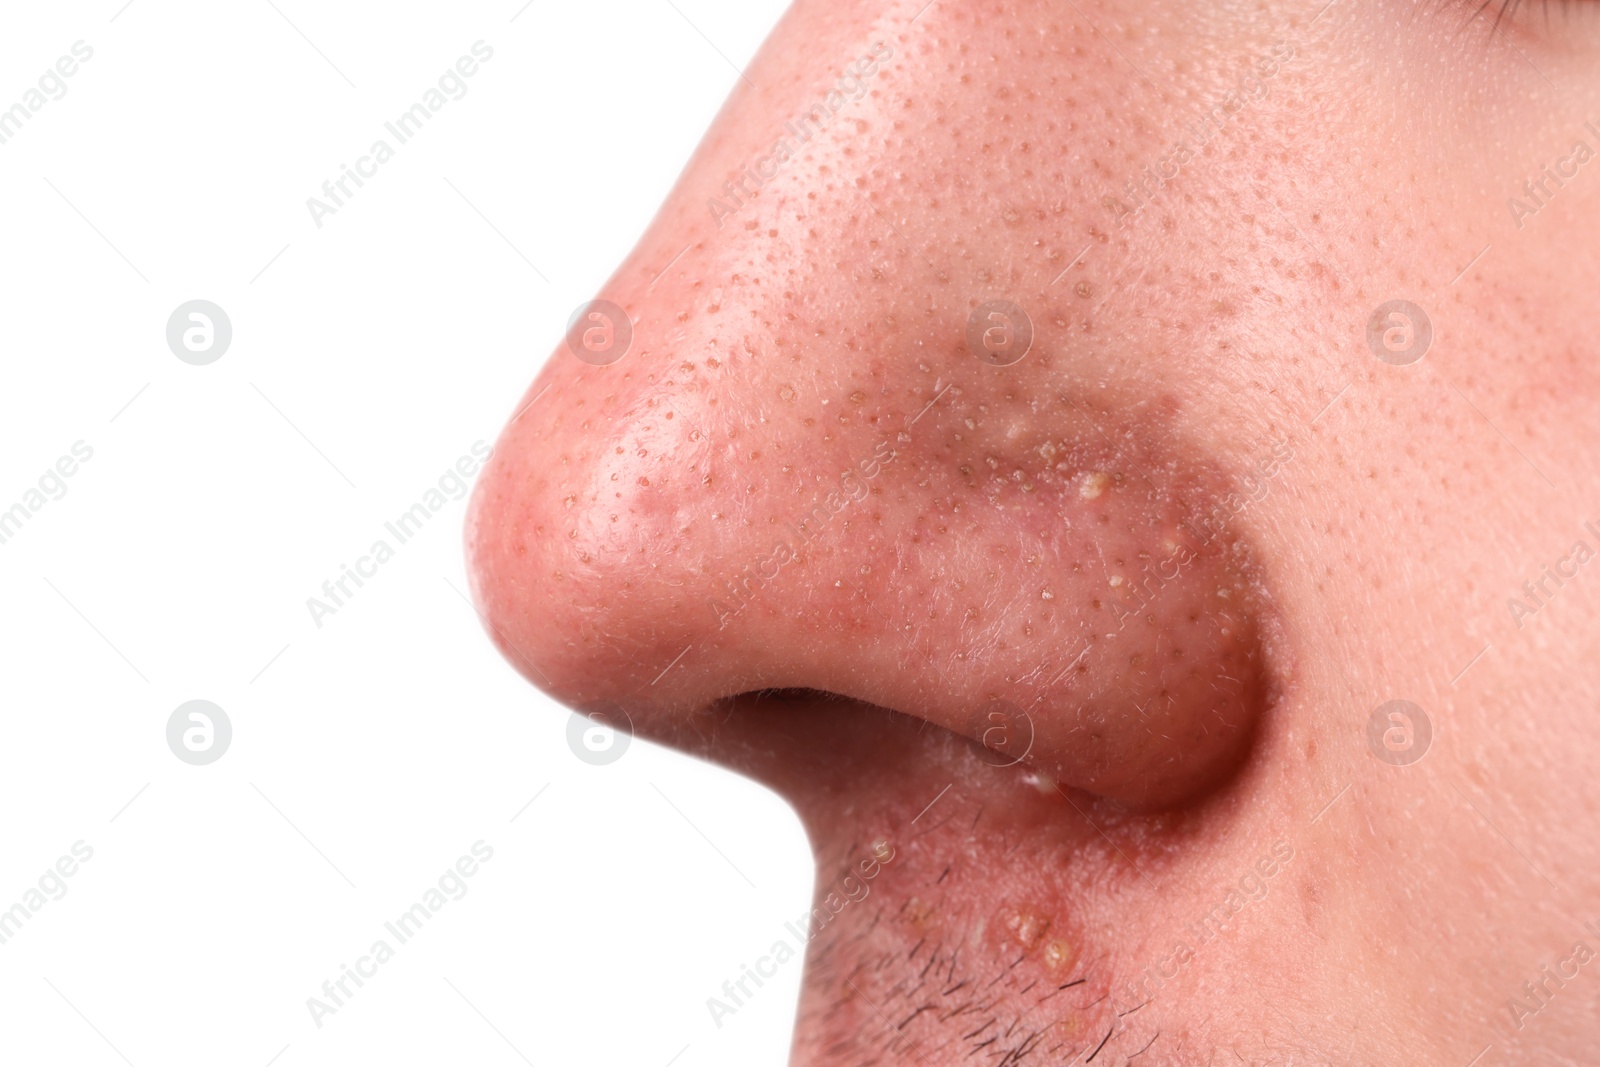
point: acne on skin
(1200, 708)
(1146, 706)
(974, 567)
(1192, 654)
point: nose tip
(618, 536)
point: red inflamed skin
(1126, 474)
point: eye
(1556, 41)
(1535, 16)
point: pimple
(1040, 781)
(918, 912)
(1059, 955)
(1026, 926)
(1092, 485)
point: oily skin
(1374, 913)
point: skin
(1165, 833)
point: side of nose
(1017, 567)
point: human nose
(819, 462)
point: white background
(367, 356)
